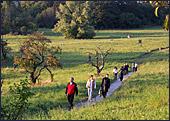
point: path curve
(115, 85)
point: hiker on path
(89, 58)
(71, 89)
(136, 66)
(91, 85)
(121, 73)
(133, 66)
(124, 68)
(115, 71)
(105, 85)
(127, 66)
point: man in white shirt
(115, 71)
(91, 85)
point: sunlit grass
(144, 96)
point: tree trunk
(52, 79)
(97, 63)
(98, 71)
(32, 75)
(33, 80)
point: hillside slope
(145, 96)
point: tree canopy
(25, 17)
(75, 20)
(36, 55)
(164, 4)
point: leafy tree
(129, 20)
(164, 4)
(47, 18)
(106, 14)
(36, 55)
(14, 18)
(5, 49)
(75, 20)
(14, 106)
(97, 65)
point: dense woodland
(31, 15)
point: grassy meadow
(144, 96)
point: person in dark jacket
(127, 66)
(121, 73)
(71, 89)
(105, 85)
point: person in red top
(71, 89)
(89, 58)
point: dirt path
(115, 85)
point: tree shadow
(73, 59)
(49, 32)
(120, 35)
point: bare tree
(97, 65)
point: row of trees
(15, 20)
(29, 15)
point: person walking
(115, 71)
(71, 89)
(127, 66)
(91, 85)
(121, 73)
(89, 58)
(105, 85)
(136, 66)
(133, 66)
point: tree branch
(39, 72)
(103, 59)
(90, 53)
(107, 52)
(93, 65)
(50, 74)
(100, 52)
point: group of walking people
(124, 70)
(72, 89)
(104, 87)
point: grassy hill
(144, 96)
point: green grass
(144, 96)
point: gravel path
(113, 87)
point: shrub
(16, 104)
(23, 30)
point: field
(144, 96)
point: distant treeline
(31, 15)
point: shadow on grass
(119, 35)
(11, 75)
(70, 59)
(49, 32)
(43, 106)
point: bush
(5, 49)
(23, 30)
(32, 27)
(15, 105)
